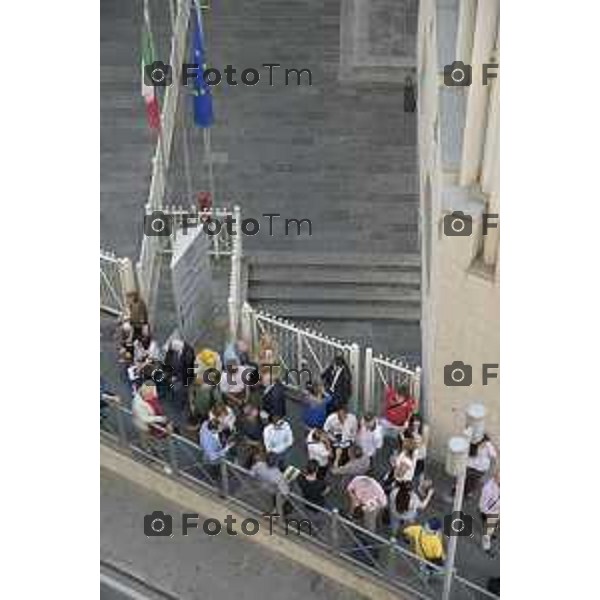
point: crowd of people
(249, 423)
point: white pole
(186, 158)
(161, 148)
(206, 130)
(208, 154)
(453, 541)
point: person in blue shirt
(213, 449)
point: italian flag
(149, 91)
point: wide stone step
(328, 277)
(343, 312)
(331, 294)
(335, 259)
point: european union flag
(203, 110)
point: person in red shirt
(399, 406)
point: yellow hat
(207, 357)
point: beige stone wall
(461, 304)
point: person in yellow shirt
(426, 541)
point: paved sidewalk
(198, 566)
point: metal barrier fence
(380, 372)
(385, 559)
(297, 348)
(116, 280)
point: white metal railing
(380, 372)
(236, 297)
(116, 281)
(148, 269)
(221, 240)
(296, 348)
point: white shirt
(370, 440)
(406, 464)
(236, 386)
(226, 420)
(278, 438)
(143, 415)
(483, 460)
(347, 430)
(317, 450)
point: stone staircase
(336, 287)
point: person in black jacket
(179, 367)
(337, 381)
(273, 400)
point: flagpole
(208, 152)
(161, 147)
(206, 130)
(186, 154)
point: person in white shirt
(145, 410)
(319, 449)
(489, 505)
(149, 420)
(232, 385)
(370, 435)
(406, 503)
(278, 439)
(341, 427)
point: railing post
(335, 530)
(355, 369)
(246, 327)
(231, 304)
(416, 388)
(299, 353)
(172, 453)
(224, 478)
(392, 557)
(279, 506)
(368, 379)
(122, 431)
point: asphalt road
(197, 566)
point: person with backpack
(337, 381)
(426, 541)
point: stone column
(484, 42)
(466, 29)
